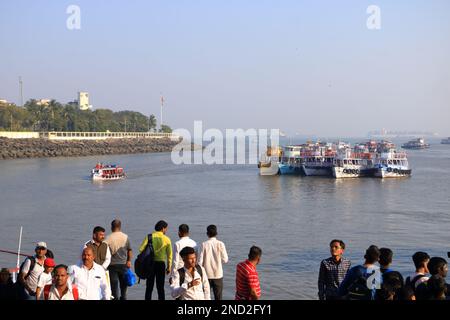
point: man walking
(100, 247)
(61, 289)
(31, 269)
(247, 279)
(332, 271)
(163, 253)
(212, 254)
(121, 255)
(190, 282)
(90, 278)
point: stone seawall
(37, 148)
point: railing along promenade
(67, 135)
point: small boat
(445, 141)
(107, 172)
(269, 162)
(416, 144)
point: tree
(166, 129)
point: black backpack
(182, 274)
(49, 254)
(145, 260)
(358, 290)
(411, 283)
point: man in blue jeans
(121, 255)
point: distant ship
(416, 144)
(445, 141)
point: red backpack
(48, 287)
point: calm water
(291, 218)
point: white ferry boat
(416, 144)
(109, 172)
(354, 163)
(391, 164)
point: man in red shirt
(247, 280)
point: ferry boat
(390, 163)
(269, 162)
(108, 172)
(354, 163)
(445, 141)
(416, 144)
(291, 162)
(318, 161)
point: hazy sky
(302, 66)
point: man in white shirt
(61, 289)
(212, 254)
(191, 281)
(90, 278)
(185, 241)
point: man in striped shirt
(247, 280)
(333, 271)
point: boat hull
(352, 172)
(287, 169)
(269, 169)
(317, 171)
(392, 173)
(112, 178)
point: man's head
(183, 230)
(337, 248)
(255, 254)
(161, 226)
(421, 260)
(98, 234)
(211, 231)
(88, 257)
(49, 264)
(116, 225)
(189, 257)
(60, 275)
(372, 254)
(386, 256)
(4, 275)
(438, 266)
(41, 249)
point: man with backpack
(361, 281)
(420, 260)
(190, 282)
(31, 269)
(162, 253)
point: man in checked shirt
(333, 271)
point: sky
(303, 66)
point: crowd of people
(376, 279)
(195, 272)
(101, 274)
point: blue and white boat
(390, 163)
